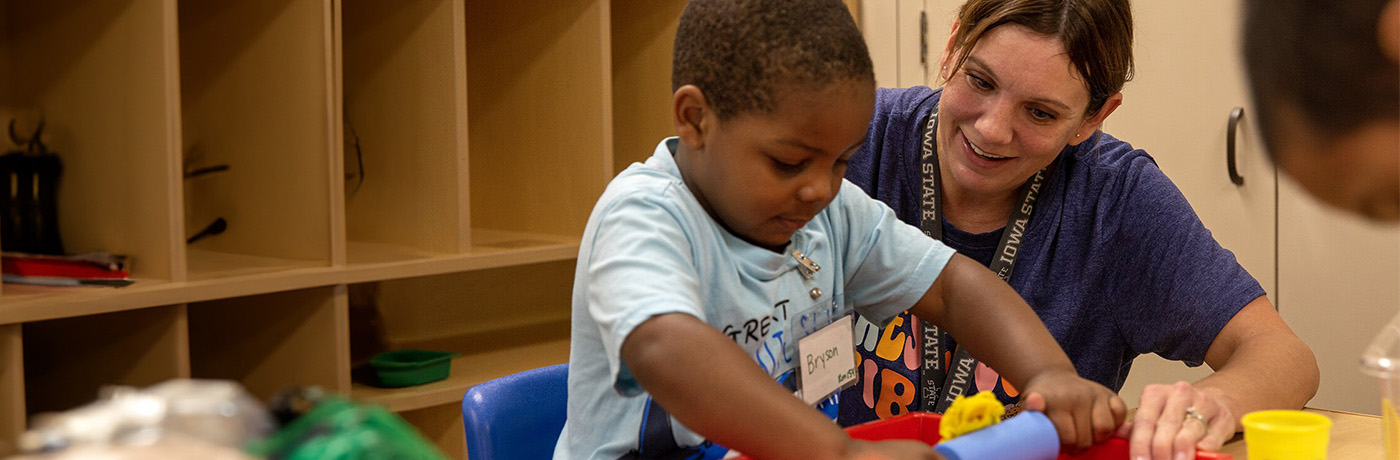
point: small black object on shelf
(216, 227)
(29, 210)
(354, 142)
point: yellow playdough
(966, 415)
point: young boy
(1326, 82)
(705, 271)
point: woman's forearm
(1260, 363)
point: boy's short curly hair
(743, 54)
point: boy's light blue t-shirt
(651, 249)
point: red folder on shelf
(31, 265)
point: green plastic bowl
(402, 368)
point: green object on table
(338, 429)
(401, 368)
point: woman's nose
(994, 126)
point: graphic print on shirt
(772, 337)
(889, 372)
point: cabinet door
(895, 32)
(1177, 108)
(1337, 287)
(1188, 80)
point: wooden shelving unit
(443, 155)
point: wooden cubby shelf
(273, 341)
(467, 371)
(642, 36)
(504, 331)
(538, 115)
(428, 163)
(405, 139)
(66, 361)
(256, 91)
(99, 73)
(23, 303)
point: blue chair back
(517, 417)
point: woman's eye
(978, 82)
(1042, 115)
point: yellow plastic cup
(1286, 435)
(1391, 415)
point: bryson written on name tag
(828, 360)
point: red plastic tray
(923, 426)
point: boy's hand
(1084, 412)
(892, 450)
(999, 328)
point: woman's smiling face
(1010, 109)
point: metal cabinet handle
(1235, 116)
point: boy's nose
(820, 188)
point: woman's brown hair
(1097, 35)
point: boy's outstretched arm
(999, 328)
(707, 382)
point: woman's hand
(1172, 421)
(1084, 412)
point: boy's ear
(1388, 30)
(1093, 123)
(691, 115)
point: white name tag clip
(805, 266)
(828, 361)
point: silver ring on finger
(1191, 414)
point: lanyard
(957, 379)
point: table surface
(1354, 437)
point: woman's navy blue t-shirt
(1114, 261)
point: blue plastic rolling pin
(1027, 436)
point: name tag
(828, 360)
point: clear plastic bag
(1382, 360)
(215, 413)
(167, 448)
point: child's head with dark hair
(772, 97)
(1326, 83)
(743, 54)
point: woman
(1005, 163)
